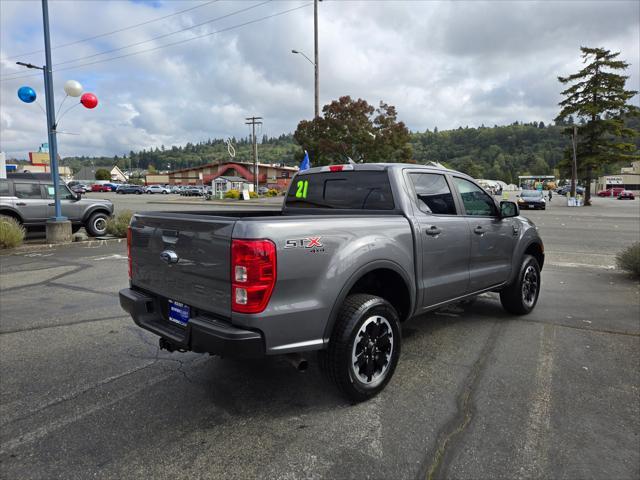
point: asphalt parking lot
(477, 394)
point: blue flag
(305, 164)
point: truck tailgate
(198, 274)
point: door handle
(21, 204)
(52, 204)
(433, 231)
(479, 230)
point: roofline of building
(201, 167)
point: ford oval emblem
(169, 257)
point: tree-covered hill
(499, 152)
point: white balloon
(73, 88)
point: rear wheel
(97, 224)
(521, 296)
(364, 347)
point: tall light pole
(316, 66)
(58, 227)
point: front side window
(64, 192)
(27, 190)
(475, 200)
(434, 194)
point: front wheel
(364, 347)
(97, 224)
(522, 295)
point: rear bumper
(202, 334)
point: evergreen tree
(598, 98)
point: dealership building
(629, 179)
(272, 176)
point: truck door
(30, 202)
(492, 237)
(443, 240)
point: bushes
(11, 232)
(253, 195)
(272, 192)
(118, 224)
(235, 194)
(629, 259)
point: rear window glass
(434, 193)
(4, 188)
(27, 190)
(356, 190)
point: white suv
(156, 189)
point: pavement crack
(436, 462)
(66, 324)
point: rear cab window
(348, 190)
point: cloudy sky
(444, 64)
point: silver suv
(28, 197)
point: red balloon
(89, 100)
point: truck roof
(383, 166)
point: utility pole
(253, 121)
(315, 63)
(574, 166)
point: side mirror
(509, 209)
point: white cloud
(441, 64)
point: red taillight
(129, 251)
(253, 274)
(336, 168)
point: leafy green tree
(354, 129)
(103, 174)
(598, 99)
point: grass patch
(118, 224)
(11, 232)
(629, 259)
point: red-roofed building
(268, 175)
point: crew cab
(355, 251)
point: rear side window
(4, 188)
(434, 194)
(27, 190)
(356, 190)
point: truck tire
(521, 296)
(96, 226)
(364, 347)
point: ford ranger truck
(355, 251)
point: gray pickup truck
(355, 251)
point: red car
(626, 195)
(607, 193)
(100, 188)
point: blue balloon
(27, 94)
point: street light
(315, 63)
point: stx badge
(312, 243)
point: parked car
(626, 195)
(263, 190)
(192, 192)
(532, 199)
(176, 189)
(355, 251)
(611, 192)
(28, 197)
(567, 189)
(156, 189)
(101, 187)
(125, 189)
(78, 189)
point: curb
(54, 246)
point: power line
(100, 35)
(163, 35)
(233, 27)
(9, 76)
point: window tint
(361, 190)
(27, 190)
(4, 188)
(475, 200)
(433, 193)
